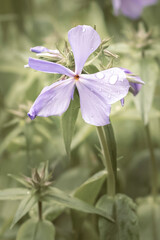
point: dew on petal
(83, 29)
(99, 75)
(113, 79)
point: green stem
(111, 183)
(154, 169)
(40, 210)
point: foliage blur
(24, 144)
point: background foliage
(24, 144)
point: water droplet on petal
(92, 48)
(113, 79)
(121, 79)
(99, 75)
(109, 96)
(83, 29)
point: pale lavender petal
(110, 84)
(49, 67)
(39, 49)
(122, 102)
(84, 40)
(148, 2)
(135, 88)
(116, 6)
(131, 8)
(136, 79)
(53, 99)
(95, 110)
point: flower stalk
(111, 181)
(40, 210)
(154, 172)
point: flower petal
(122, 102)
(136, 85)
(116, 6)
(53, 99)
(131, 8)
(148, 2)
(94, 108)
(110, 84)
(39, 49)
(49, 67)
(84, 40)
(135, 88)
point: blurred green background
(24, 144)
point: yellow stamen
(76, 77)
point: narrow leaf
(54, 195)
(89, 190)
(68, 122)
(25, 206)
(19, 179)
(8, 139)
(148, 71)
(111, 145)
(149, 218)
(36, 230)
(13, 193)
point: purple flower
(96, 91)
(135, 83)
(131, 8)
(41, 49)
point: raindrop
(99, 75)
(113, 79)
(83, 29)
(121, 79)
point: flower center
(76, 77)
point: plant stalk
(40, 210)
(154, 168)
(111, 182)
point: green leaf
(54, 195)
(111, 145)
(13, 193)
(122, 209)
(72, 178)
(36, 230)
(20, 179)
(91, 69)
(16, 131)
(50, 212)
(69, 120)
(149, 218)
(148, 71)
(24, 207)
(89, 190)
